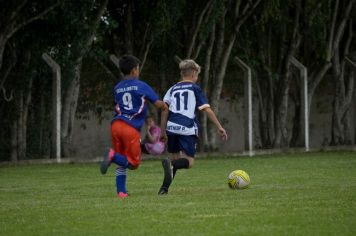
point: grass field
(295, 194)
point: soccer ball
(238, 179)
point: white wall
(91, 138)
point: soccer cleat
(163, 191)
(122, 195)
(108, 155)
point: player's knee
(191, 162)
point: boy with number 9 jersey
(131, 96)
(184, 99)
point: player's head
(130, 65)
(189, 69)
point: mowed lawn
(294, 194)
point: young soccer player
(183, 99)
(131, 95)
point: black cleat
(162, 191)
(104, 166)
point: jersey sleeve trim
(202, 107)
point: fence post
(248, 104)
(56, 89)
(304, 76)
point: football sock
(120, 160)
(180, 163)
(121, 179)
(174, 172)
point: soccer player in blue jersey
(131, 96)
(184, 99)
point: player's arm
(164, 117)
(212, 117)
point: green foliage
(297, 194)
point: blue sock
(121, 179)
(120, 160)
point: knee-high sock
(180, 163)
(121, 179)
(120, 160)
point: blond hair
(188, 66)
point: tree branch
(16, 11)
(197, 28)
(107, 70)
(342, 25)
(8, 99)
(9, 67)
(246, 13)
(28, 21)
(331, 33)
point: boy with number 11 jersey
(183, 100)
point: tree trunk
(2, 49)
(204, 141)
(72, 92)
(282, 112)
(14, 154)
(20, 124)
(69, 108)
(26, 104)
(343, 86)
(296, 139)
(41, 125)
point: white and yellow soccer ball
(238, 179)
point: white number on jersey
(127, 100)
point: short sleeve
(201, 100)
(167, 97)
(148, 92)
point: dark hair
(127, 63)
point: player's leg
(121, 133)
(114, 155)
(186, 160)
(132, 143)
(172, 147)
(177, 144)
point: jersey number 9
(127, 100)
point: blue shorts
(185, 143)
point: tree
(17, 14)
(343, 77)
(224, 30)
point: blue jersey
(184, 98)
(130, 101)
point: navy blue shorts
(185, 143)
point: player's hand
(223, 134)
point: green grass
(299, 194)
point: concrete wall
(91, 137)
